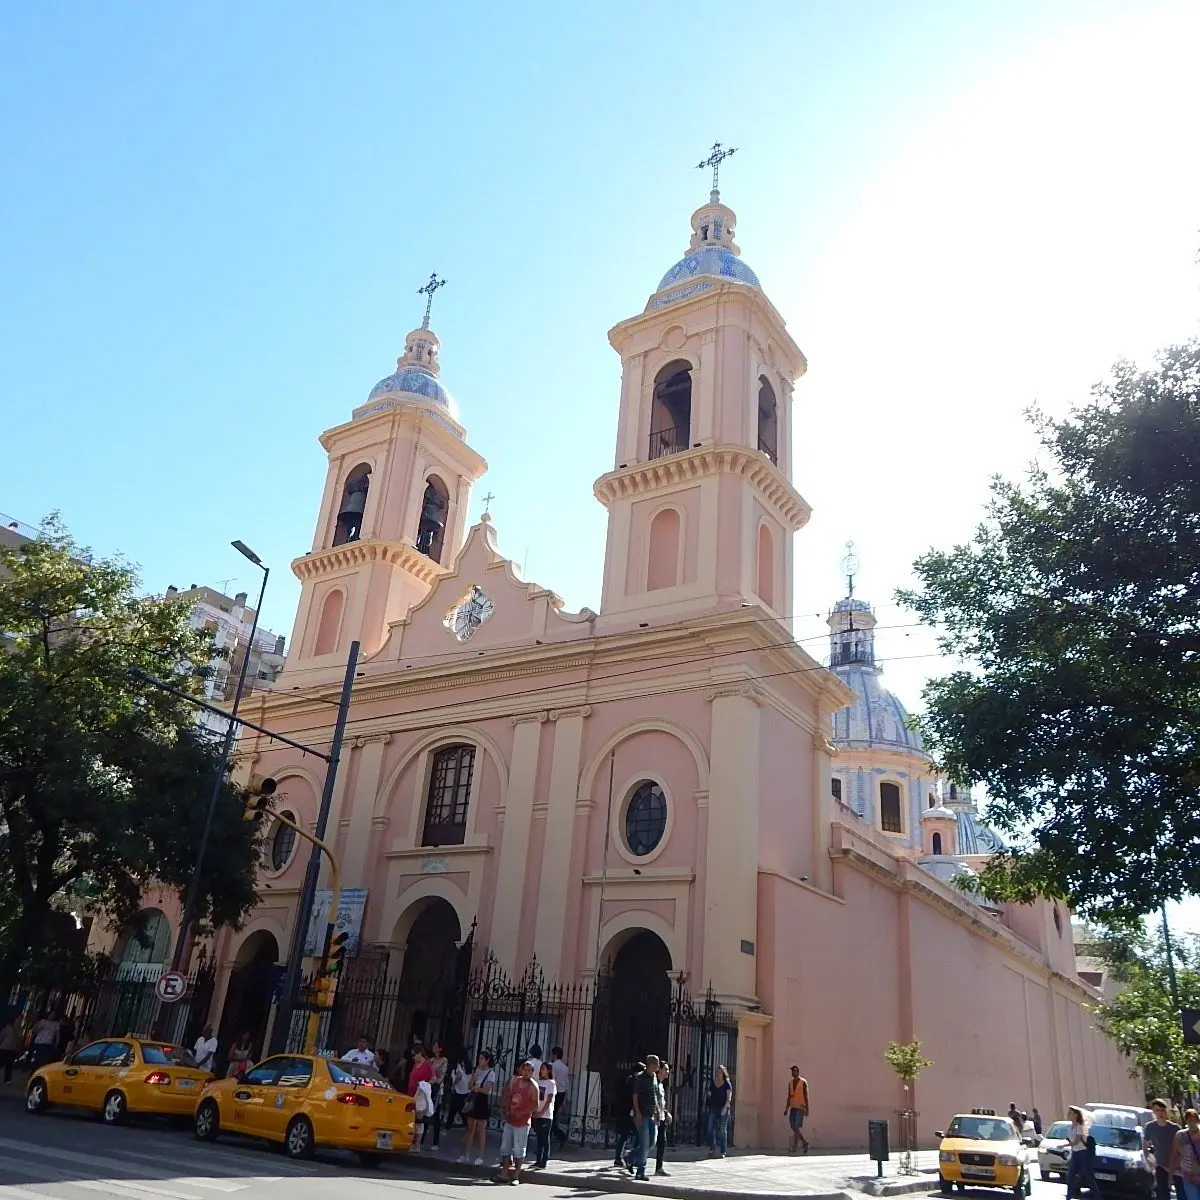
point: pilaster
(361, 810)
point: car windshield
(982, 1129)
(157, 1054)
(1111, 1135)
(355, 1074)
(1060, 1129)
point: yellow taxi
(118, 1077)
(303, 1102)
(981, 1149)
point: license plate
(187, 1083)
(383, 1141)
(1107, 1176)
(979, 1172)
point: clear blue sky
(217, 216)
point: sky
(217, 217)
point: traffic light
(258, 791)
(323, 991)
(336, 954)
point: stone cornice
(756, 468)
(375, 550)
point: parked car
(1140, 1116)
(983, 1150)
(1120, 1166)
(1054, 1150)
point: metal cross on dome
(850, 567)
(427, 291)
(715, 158)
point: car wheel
(947, 1186)
(35, 1097)
(298, 1141)
(370, 1159)
(962, 1187)
(207, 1123)
(115, 1109)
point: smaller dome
(712, 260)
(948, 870)
(938, 813)
(415, 382)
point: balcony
(672, 439)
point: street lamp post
(189, 903)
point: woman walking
(479, 1108)
(720, 1103)
(440, 1064)
(1083, 1149)
(543, 1116)
(1187, 1154)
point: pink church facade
(651, 788)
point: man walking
(1158, 1139)
(205, 1050)
(361, 1054)
(518, 1103)
(626, 1131)
(561, 1074)
(796, 1108)
(648, 1110)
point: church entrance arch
(248, 998)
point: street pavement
(66, 1156)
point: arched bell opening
(435, 506)
(353, 506)
(671, 410)
(768, 420)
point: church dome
(415, 383)
(711, 260)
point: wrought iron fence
(604, 1026)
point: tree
(1141, 1018)
(1075, 608)
(104, 782)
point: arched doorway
(248, 997)
(141, 957)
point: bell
(353, 506)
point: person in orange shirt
(796, 1108)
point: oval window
(283, 840)
(645, 818)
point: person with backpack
(624, 1130)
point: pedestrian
(205, 1051)
(624, 1130)
(45, 1039)
(518, 1103)
(795, 1108)
(1158, 1144)
(11, 1042)
(543, 1119)
(1187, 1154)
(534, 1059)
(362, 1053)
(460, 1089)
(1037, 1123)
(720, 1105)
(562, 1087)
(664, 1078)
(420, 1087)
(648, 1111)
(479, 1106)
(1083, 1150)
(240, 1056)
(440, 1064)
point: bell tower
(701, 507)
(393, 515)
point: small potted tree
(906, 1060)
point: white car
(1054, 1151)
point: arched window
(890, 819)
(662, 570)
(953, 792)
(431, 532)
(671, 410)
(283, 842)
(932, 799)
(147, 939)
(448, 796)
(353, 506)
(835, 786)
(645, 818)
(937, 843)
(768, 420)
(766, 567)
(330, 622)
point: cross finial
(850, 568)
(427, 291)
(717, 155)
(487, 501)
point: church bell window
(431, 531)
(353, 506)
(671, 410)
(937, 843)
(835, 786)
(890, 818)
(449, 794)
(768, 420)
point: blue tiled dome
(413, 381)
(712, 260)
(876, 718)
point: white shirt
(462, 1081)
(562, 1075)
(205, 1052)
(536, 1063)
(365, 1057)
(546, 1091)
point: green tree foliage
(1141, 1019)
(104, 782)
(1075, 608)
(906, 1060)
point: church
(666, 805)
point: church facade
(669, 787)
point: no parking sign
(170, 987)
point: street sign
(170, 987)
(1190, 1018)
